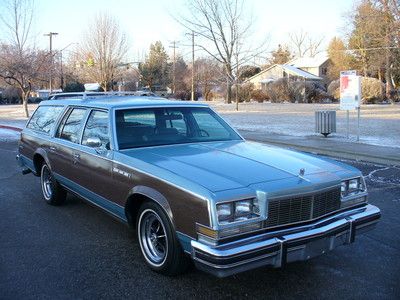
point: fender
(155, 196)
(42, 153)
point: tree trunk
(25, 103)
(228, 91)
(388, 77)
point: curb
(11, 127)
(335, 153)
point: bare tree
(104, 48)
(390, 10)
(18, 62)
(221, 28)
(298, 40)
(208, 76)
(374, 39)
(304, 44)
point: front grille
(302, 208)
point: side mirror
(93, 142)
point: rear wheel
(53, 192)
(158, 242)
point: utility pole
(50, 35)
(173, 67)
(61, 71)
(192, 94)
(237, 75)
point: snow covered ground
(7, 135)
(379, 124)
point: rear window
(44, 118)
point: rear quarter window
(44, 118)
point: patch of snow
(7, 135)
(379, 124)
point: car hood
(220, 166)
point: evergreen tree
(280, 56)
(155, 69)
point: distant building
(261, 80)
(44, 94)
(317, 65)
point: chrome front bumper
(281, 247)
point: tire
(158, 242)
(53, 192)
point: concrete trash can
(325, 122)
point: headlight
(224, 212)
(237, 211)
(353, 191)
(352, 186)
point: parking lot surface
(77, 251)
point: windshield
(165, 126)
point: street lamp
(50, 35)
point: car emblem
(301, 172)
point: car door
(65, 143)
(93, 162)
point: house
(261, 80)
(317, 65)
(44, 93)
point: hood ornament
(301, 172)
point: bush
(74, 87)
(372, 90)
(308, 92)
(296, 91)
(279, 91)
(185, 95)
(12, 95)
(210, 96)
(244, 94)
(259, 96)
(334, 89)
(181, 95)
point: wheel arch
(138, 195)
(39, 157)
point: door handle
(75, 158)
(52, 149)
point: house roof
(309, 62)
(298, 72)
(288, 69)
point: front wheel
(158, 242)
(53, 192)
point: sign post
(350, 95)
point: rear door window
(71, 127)
(97, 127)
(44, 118)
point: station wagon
(191, 186)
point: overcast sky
(146, 21)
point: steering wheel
(203, 133)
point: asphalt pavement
(76, 251)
